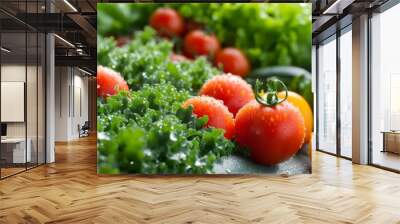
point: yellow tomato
(305, 109)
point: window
(385, 89)
(327, 96)
(346, 95)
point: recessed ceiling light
(5, 50)
(70, 5)
(65, 41)
(84, 71)
(337, 7)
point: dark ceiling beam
(91, 5)
(86, 27)
(49, 22)
(11, 25)
(15, 18)
(77, 61)
(63, 7)
(321, 22)
(65, 51)
(56, 22)
(332, 29)
(88, 70)
(337, 7)
(324, 16)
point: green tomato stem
(271, 88)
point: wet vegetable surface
(147, 129)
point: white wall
(71, 94)
(80, 110)
(11, 73)
(62, 81)
(15, 73)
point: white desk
(19, 149)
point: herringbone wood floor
(70, 191)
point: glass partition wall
(22, 101)
(326, 77)
(334, 94)
(345, 93)
(13, 90)
(334, 90)
(385, 89)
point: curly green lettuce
(269, 34)
(148, 132)
(145, 60)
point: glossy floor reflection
(387, 159)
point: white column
(360, 90)
(50, 94)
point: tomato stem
(266, 93)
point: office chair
(84, 130)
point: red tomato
(177, 57)
(198, 43)
(272, 134)
(167, 22)
(232, 60)
(218, 114)
(109, 82)
(231, 89)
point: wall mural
(204, 88)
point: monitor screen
(3, 129)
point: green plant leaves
(145, 60)
(147, 131)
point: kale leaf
(147, 131)
(145, 60)
(269, 33)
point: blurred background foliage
(269, 34)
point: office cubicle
(22, 89)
